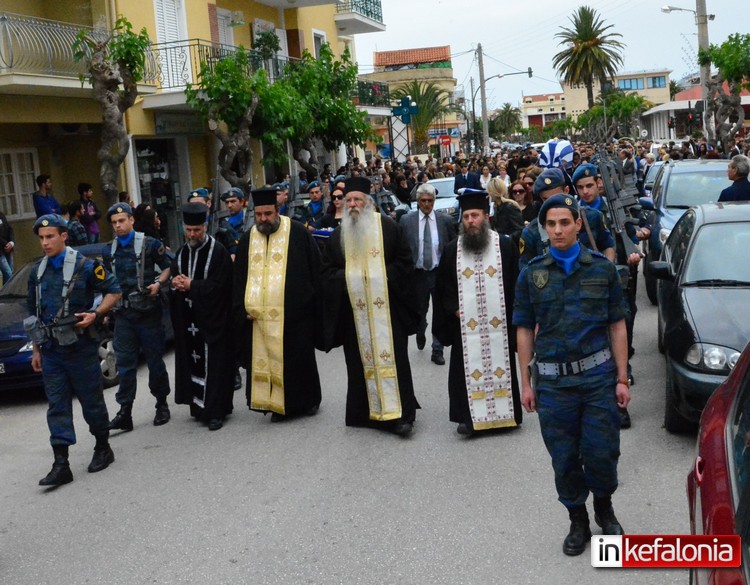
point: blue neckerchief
(316, 207)
(236, 220)
(57, 261)
(597, 204)
(566, 258)
(125, 240)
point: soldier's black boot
(60, 473)
(103, 455)
(580, 533)
(123, 420)
(162, 415)
(605, 517)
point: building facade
(541, 110)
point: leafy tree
(115, 64)
(506, 121)
(732, 59)
(624, 110)
(589, 53)
(433, 103)
(674, 89)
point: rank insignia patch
(540, 278)
(99, 272)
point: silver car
(445, 200)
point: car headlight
(711, 357)
(664, 234)
(29, 346)
(450, 210)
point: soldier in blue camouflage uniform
(534, 242)
(138, 320)
(233, 226)
(69, 367)
(569, 311)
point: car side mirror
(646, 203)
(661, 269)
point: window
(679, 239)
(635, 83)
(319, 37)
(552, 109)
(18, 169)
(656, 82)
(552, 99)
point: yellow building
(50, 123)
(539, 110)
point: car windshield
(444, 187)
(17, 287)
(719, 255)
(653, 171)
(694, 188)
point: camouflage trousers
(581, 430)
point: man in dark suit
(465, 179)
(427, 232)
(737, 171)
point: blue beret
(50, 220)
(549, 179)
(585, 170)
(559, 200)
(233, 192)
(313, 185)
(201, 192)
(119, 208)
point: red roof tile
(406, 56)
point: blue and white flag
(556, 153)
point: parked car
(703, 315)
(718, 485)
(445, 200)
(678, 186)
(650, 178)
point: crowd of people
(532, 272)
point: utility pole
(701, 21)
(485, 125)
(473, 115)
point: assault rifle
(217, 214)
(620, 202)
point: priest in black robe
(371, 311)
(486, 362)
(200, 304)
(277, 309)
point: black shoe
(123, 420)
(277, 418)
(313, 410)
(421, 341)
(464, 429)
(437, 358)
(215, 424)
(580, 532)
(604, 516)
(403, 429)
(624, 418)
(60, 473)
(162, 415)
(103, 457)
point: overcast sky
(518, 34)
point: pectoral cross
(195, 356)
(193, 329)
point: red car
(718, 486)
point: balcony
(371, 93)
(359, 16)
(295, 3)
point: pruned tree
(433, 103)
(732, 60)
(115, 63)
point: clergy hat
(194, 213)
(585, 170)
(549, 179)
(119, 208)
(233, 193)
(474, 199)
(264, 197)
(50, 220)
(361, 184)
(201, 192)
(559, 200)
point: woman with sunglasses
(335, 211)
(521, 196)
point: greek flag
(556, 153)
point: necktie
(427, 244)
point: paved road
(312, 501)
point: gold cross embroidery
(468, 273)
(379, 303)
(374, 252)
(491, 272)
(495, 322)
(385, 356)
(476, 374)
(361, 304)
(472, 324)
(499, 372)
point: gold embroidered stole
(484, 333)
(264, 301)
(368, 293)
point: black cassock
(303, 330)
(447, 327)
(340, 328)
(204, 364)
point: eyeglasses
(528, 182)
(337, 197)
(518, 190)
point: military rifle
(216, 215)
(620, 202)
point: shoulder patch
(521, 245)
(99, 272)
(161, 250)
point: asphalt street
(312, 501)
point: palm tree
(507, 119)
(433, 103)
(589, 53)
(674, 89)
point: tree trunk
(311, 164)
(235, 148)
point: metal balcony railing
(369, 8)
(372, 93)
(39, 46)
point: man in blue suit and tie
(465, 179)
(428, 232)
(737, 171)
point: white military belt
(576, 367)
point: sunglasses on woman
(518, 190)
(337, 197)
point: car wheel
(674, 422)
(650, 281)
(659, 335)
(107, 362)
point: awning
(682, 105)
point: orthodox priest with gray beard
(474, 288)
(200, 304)
(277, 308)
(372, 310)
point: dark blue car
(678, 186)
